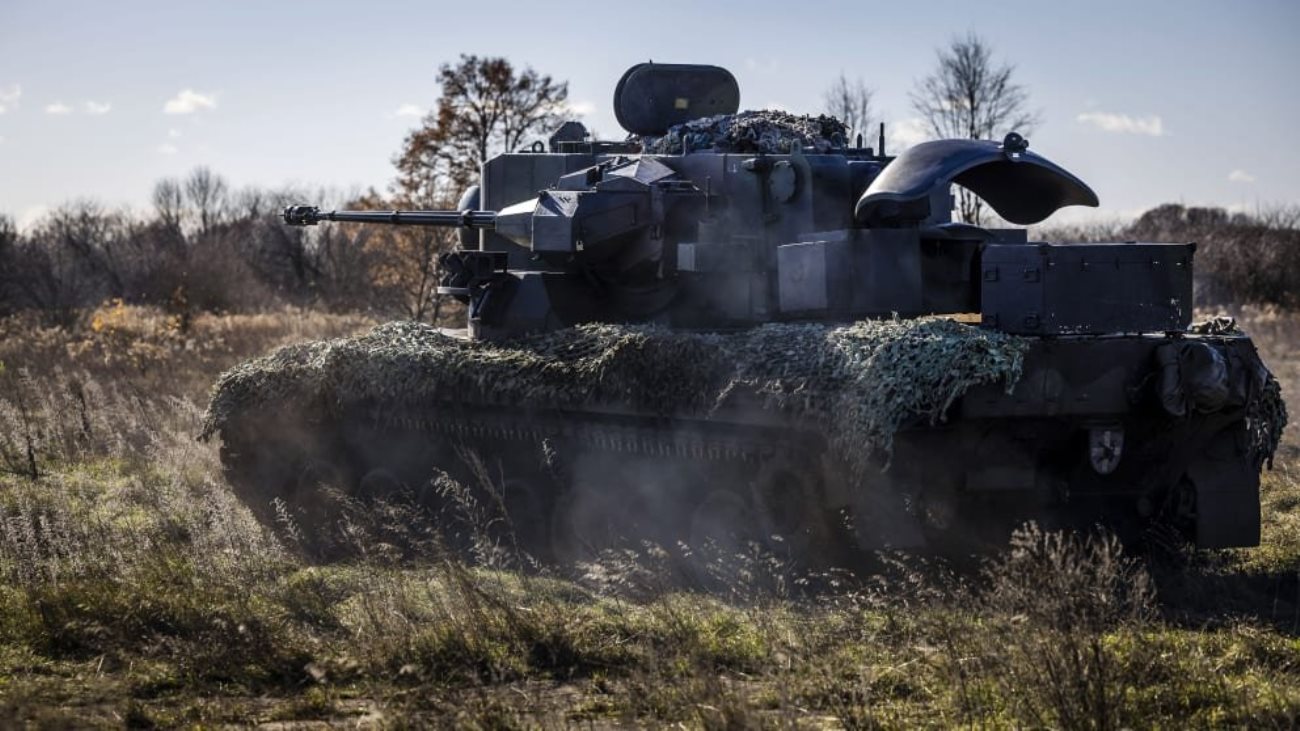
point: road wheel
(581, 524)
(789, 507)
(724, 522)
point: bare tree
(206, 192)
(850, 102)
(486, 107)
(55, 271)
(92, 238)
(169, 203)
(252, 203)
(403, 260)
(346, 264)
(970, 96)
(8, 233)
(10, 264)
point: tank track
(610, 433)
(703, 471)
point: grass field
(135, 590)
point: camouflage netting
(767, 131)
(1266, 420)
(1266, 415)
(860, 383)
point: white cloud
(167, 148)
(189, 101)
(1107, 122)
(903, 134)
(173, 133)
(582, 108)
(97, 108)
(1240, 176)
(408, 110)
(9, 96)
(58, 108)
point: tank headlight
(1105, 447)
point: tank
(743, 329)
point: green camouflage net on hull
(1266, 415)
(1266, 420)
(766, 131)
(858, 383)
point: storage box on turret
(1086, 289)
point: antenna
(882, 139)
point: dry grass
(135, 590)
(164, 355)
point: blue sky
(1149, 102)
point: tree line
(204, 246)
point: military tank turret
(744, 327)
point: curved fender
(1023, 187)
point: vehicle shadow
(1214, 592)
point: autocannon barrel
(311, 215)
